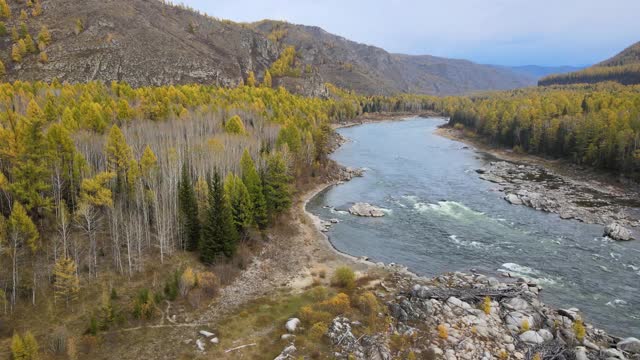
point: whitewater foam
(527, 273)
(616, 303)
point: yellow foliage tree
(66, 285)
(5, 10)
(37, 9)
(268, 82)
(44, 35)
(235, 126)
(16, 54)
(44, 58)
(251, 79)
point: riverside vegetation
(104, 185)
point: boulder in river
(616, 231)
(513, 199)
(630, 345)
(366, 209)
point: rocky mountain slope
(148, 42)
(142, 42)
(369, 69)
(623, 68)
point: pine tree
(43, 58)
(37, 9)
(235, 126)
(3, 69)
(188, 206)
(251, 79)
(30, 44)
(267, 80)
(31, 348)
(5, 10)
(202, 197)
(44, 35)
(66, 285)
(219, 234)
(31, 172)
(240, 202)
(276, 185)
(16, 54)
(119, 156)
(148, 162)
(18, 352)
(251, 180)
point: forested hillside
(623, 68)
(595, 125)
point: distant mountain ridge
(149, 42)
(623, 68)
(537, 72)
(369, 69)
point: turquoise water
(442, 217)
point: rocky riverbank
(545, 190)
(580, 195)
(467, 316)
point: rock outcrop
(366, 210)
(544, 190)
(472, 316)
(616, 231)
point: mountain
(537, 72)
(369, 69)
(149, 42)
(142, 42)
(623, 68)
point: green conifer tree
(188, 206)
(277, 190)
(219, 235)
(251, 180)
(240, 202)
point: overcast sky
(504, 32)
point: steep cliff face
(142, 42)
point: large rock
(630, 344)
(365, 209)
(287, 353)
(513, 199)
(531, 337)
(616, 231)
(515, 319)
(292, 325)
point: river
(440, 217)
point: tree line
(596, 125)
(624, 74)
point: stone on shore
(513, 199)
(630, 345)
(618, 232)
(292, 325)
(366, 210)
